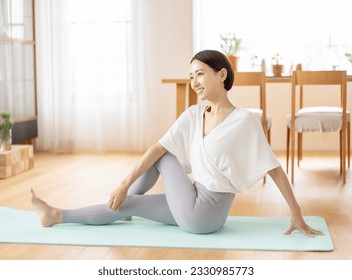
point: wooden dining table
(186, 96)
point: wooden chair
(317, 118)
(256, 79)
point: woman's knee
(171, 170)
(166, 158)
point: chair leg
(292, 152)
(269, 138)
(299, 148)
(348, 143)
(343, 157)
(340, 152)
(343, 153)
(287, 148)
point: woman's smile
(199, 91)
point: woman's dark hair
(217, 60)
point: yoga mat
(239, 233)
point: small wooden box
(18, 159)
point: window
(100, 48)
(314, 33)
(17, 67)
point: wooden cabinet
(17, 67)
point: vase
(277, 70)
(5, 140)
(234, 62)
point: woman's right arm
(118, 197)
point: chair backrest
(254, 79)
(306, 78)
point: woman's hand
(297, 222)
(118, 198)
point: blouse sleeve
(177, 140)
(252, 156)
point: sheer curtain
(55, 115)
(91, 81)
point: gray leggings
(191, 206)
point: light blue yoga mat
(239, 233)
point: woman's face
(205, 81)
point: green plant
(349, 56)
(5, 125)
(276, 59)
(230, 44)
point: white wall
(170, 37)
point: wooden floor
(77, 180)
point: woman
(223, 146)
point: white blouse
(231, 158)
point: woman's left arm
(297, 221)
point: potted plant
(277, 66)
(5, 131)
(349, 56)
(230, 45)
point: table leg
(192, 96)
(180, 99)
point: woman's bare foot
(48, 215)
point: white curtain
(56, 118)
(92, 90)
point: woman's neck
(219, 107)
